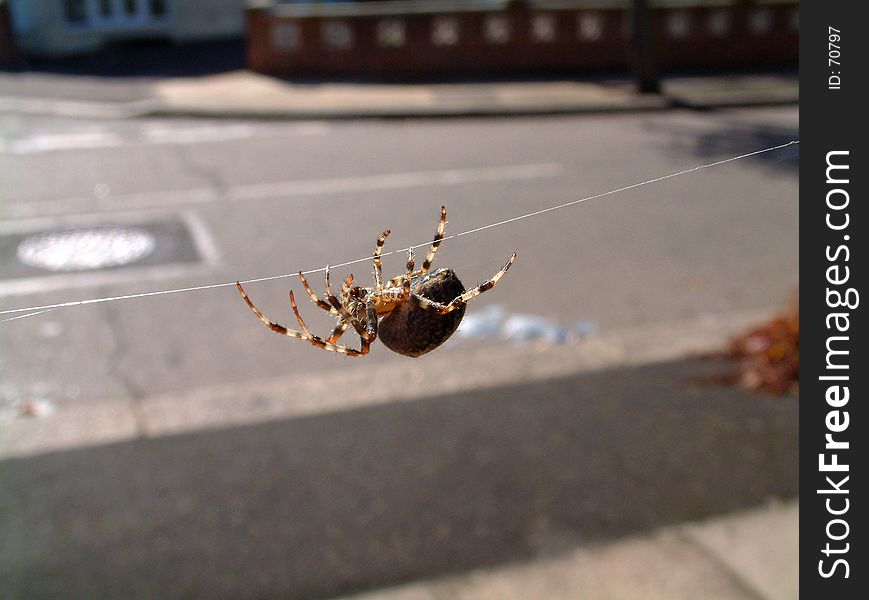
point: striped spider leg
(460, 301)
(367, 331)
(305, 334)
(429, 258)
(378, 265)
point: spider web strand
(32, 311)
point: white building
(61, 27)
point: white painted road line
(280, 189)
(158, 133)
(392, 181)
(47, 142)
(153, 134)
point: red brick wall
(581, 39)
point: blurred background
(567, 442)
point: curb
(250, 403)
(155, 109)
(246, 95)
(656, 104)
(84, 109)
(399, 113)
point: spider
(412, 314)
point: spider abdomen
(412, 330)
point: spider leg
(306, 336)
(345, 288)
(342, 324)
(339, 330)
(371, 309)
(460, 300)
(270, 324)
(318, 301)
(304, 327)
(439, 235)
(369, 333)
(429, 258)
(405, 284)
(378, 265)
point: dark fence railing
(446, 36)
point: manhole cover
(35, 260)
(84, 249)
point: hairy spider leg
(429, 258)
(378, 265)
(405, 284)
(439, 235)
(392, 292)
(460, 300)
(342, 325)
(367, 332)
(301, 322)
(338, 331)
(314, 340)
(345, 289)
(315, 299)
(336, 334)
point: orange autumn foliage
(767, 357)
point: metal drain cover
(86, 249)
(91, 253)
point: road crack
(116, 367)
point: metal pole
(645, 63)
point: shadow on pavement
(733, 138)
(316, 506)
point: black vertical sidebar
(834, 107)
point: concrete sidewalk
(748, 555)
(244, 94)
(207, 408)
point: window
(497, 29)
(543, 28)
(391, 33)
(445, 31)
(106, 8)
(286, 36)
(130, 7)
(75, 11)
(337, 34)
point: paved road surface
(273, 198)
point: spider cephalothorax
(412, 313)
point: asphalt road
(273, 198)
(351, 499)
